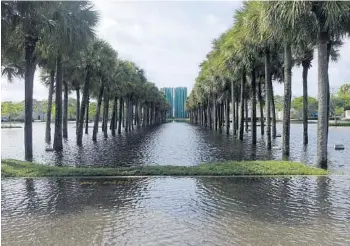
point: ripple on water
(173, 144)
(176, 211)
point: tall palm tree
(48, 78)
(105, 71)
(93, 59)
(260, 34)
(287, 32)
(304, 54)
(324, 20)
(74, 29)
(25, 24)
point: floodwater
(301, 210)
(176, 211)
(175, 143)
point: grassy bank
(340, 124)
(14, 168)
(179, 120)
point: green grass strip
(15, 168)
(340, 124)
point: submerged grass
(15, 168)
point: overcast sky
(170, 39)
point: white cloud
(170, 39)
(14, 91)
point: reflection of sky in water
(174, 144)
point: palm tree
(48, 78)
(94, 58)
(23, 25)
(324, 20)
(74, 29)
(287, 32)
(105, 71)
(260, 34)
(304, 54)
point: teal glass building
(169, 96)
(180, 97)
(176, 97)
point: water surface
(174, 143)
(176, 211)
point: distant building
(169, 96)
(180, 97)
(176, 97)
(347, 113)
(37, 115)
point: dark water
(173, 144)
(176, 211)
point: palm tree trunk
(136, 113)
(233, 108)
(126, 114)
(273, 113)
(84, 104)
(208, 114)
(120, 115)
(151, 114)
(246, 114)
(130, 111)
(241, 110)
(222, 114)
(147, 116)
(49, 107)
(219, 117)
(287, 98)
(57, 141)
(144, 121)
(329, 48)
(227, 116)
(30, 60)
(87, 116)
(133, 121)
(237, 115)
(98, 110)
(305, 104)
(142, 114)
(215, 126)
(139, 115)
(261, 105)
(268, 86)
(105, 114)
(322, 136)
(77, 109)
(65, 110)
(114, 115)
(124, 111)
(253, 110)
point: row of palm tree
(59, 38)
(266, 40)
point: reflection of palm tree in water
(31, 195)
(323, 196)
(272, 200)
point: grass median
(15, 168)
(340, 124)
